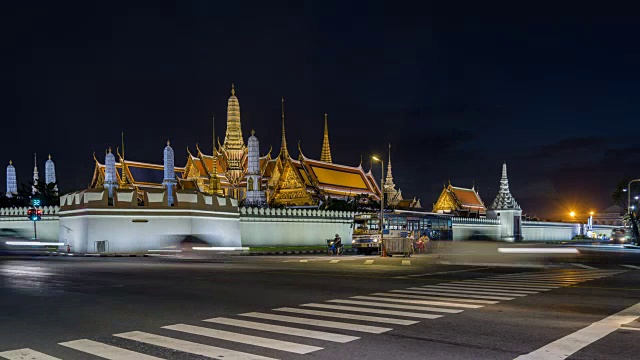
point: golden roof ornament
(325, 155)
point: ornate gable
(290, 188)
(446, 202)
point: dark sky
(457, 89)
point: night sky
(457, 89)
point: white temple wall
(143, 232)
(548, 231)
(475, 229)
(293, 227)
(16, 219)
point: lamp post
(383, 251)
(629, 195)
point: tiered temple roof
(460, 201)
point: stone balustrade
(22, 211)
(295, 213)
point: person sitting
(337, 243)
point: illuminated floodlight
(572, 214)
(375, 158)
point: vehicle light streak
(220, 248)
(34, 243)
(538, 251)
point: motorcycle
(332, 249)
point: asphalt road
(296, 307)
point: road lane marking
(320, 323)
(629, 328)
(406, 262)
(526, 282)
(408, 294)
(584, 266)
(312, 334)
(106, 351)
(418, 302)
(368, 262)
(440, 273)
(472, 296)
(509, 284)
(550, 278)
(487, 288)
(572, 343)
(304, 261)
(632, 267)
(396, 306)
(373, 311)
(348, 316)
(245, 339)
(445, 289)
(501, 287)
(188, 346)
(565, 273)
(26, 354)
(334, 261)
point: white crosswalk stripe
(244, 339)
(525, 282)
(312, 334)
(420, 294)
(320, 323)
(368, 262)
(550, 278)
(584, 266)
(347, 316)
(106, 351)
(419, 302)
(26, 354)
(189, 347)
(456, 291)
(487, 288)
(396, 306)
(509, 284)
(406, 262)
(632, 267)
(373, 311)
(334, 261)
(471, 296)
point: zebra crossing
(353, 317)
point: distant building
(506, 209)
(461, 202)
(12, 183)
(609, 216)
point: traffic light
(34, 214)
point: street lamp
(628, 191)
(383, 252)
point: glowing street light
(383, 251)
(572, 214)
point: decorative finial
(49, 156)
(168, 142)
(109, 149)
(10, 162)
(233, 89)
(253, 132)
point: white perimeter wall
(475, 229)
(16, 219)
(159, 231)
(294, 227)
(548, 231)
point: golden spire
(326, 150)
(233, 89)
(10, 162)
(49, 156)
(283, 145)
(214, 182)
(123, 180)
(168, 142)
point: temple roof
(339, 179)
(467, 197)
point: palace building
(460, 202)
(285, 180)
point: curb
(292, 252)
(98, 255)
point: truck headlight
(375, 240)
(353, 241)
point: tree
(619, 195)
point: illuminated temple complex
(460, 201)
(285, 180)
